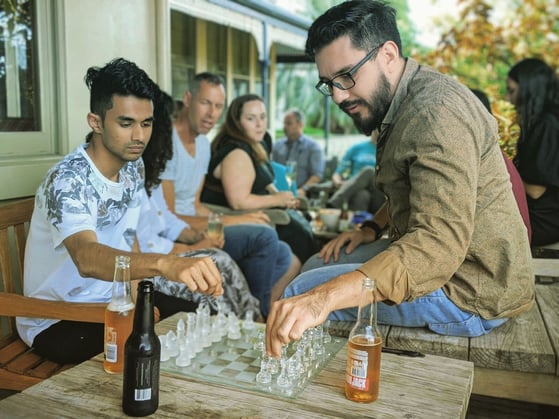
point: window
(241, 43)
(183, 51)
(216, 48)
(19, 90)
(28, 143)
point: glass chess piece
(184, 358)
(293, 370)
(164, 356)
(259, 342)
(273, 365)
(283, 379)
(248, 322)
(264, 376)
(318, 341)
(326, 332)
(171, 344)
(234, 331)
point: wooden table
(410, 387)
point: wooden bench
(21, 366)
(518, 360)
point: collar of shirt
(410, 70)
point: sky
(422, 13)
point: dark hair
(207, 77)
(483, 99)
(118, 77)
(367, 23)
(160, 147)
(231, 129)
(538, 90)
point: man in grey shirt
(301, 149)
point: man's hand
(352, 238)
(197, 273)
(290, 317)
(256, 217)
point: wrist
(370, 224)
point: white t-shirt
(76, 197)
(158, 227)
(187, 172)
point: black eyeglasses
(345, 80)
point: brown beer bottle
(140, 388)
(119, 316)
(364, 350)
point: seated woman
(159, 230)
(533, 89)
(240, 175)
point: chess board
(235, 363)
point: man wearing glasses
(458, 259)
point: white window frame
(25, 156)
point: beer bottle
(118, 317)
(140, 388)
(364, 350)
(344, 218)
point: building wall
(123, 28)
(80, 34)
(84, 33)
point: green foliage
(477, 50)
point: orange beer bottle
(119, 317)
(364, 350)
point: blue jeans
(434, 311)
(262, 257)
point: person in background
(533, 89)
(240, 175)
(359, 190)
(87, 211)
(161, 231)
(457, 260)
(300, 149)
(264, 259)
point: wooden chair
(20, 366)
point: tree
(297, 81)
(479, 52)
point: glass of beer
(215, 226)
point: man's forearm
(341, 292)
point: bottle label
(356, 375)
(146, 378)
(111, 347)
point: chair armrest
(13, 305)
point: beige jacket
(454, 221)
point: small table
(410, 387)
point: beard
(377, 106)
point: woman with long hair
(241, 177)
(533, 88)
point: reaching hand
(352, 238)
(197, 273)
(290, 317)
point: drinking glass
(215, 225)
(291, 174)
